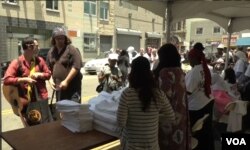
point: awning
(128, 31)
(243, 41)
(153, 35)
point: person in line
(248, 54)
(111, 75)
(240, 64)
(131, 53)
(198, 85)
(27, 71)
(123, 65)
(143, 53)
(244, 84)
(153, 57)
(140, 107)
(171, 80)
(65, 62)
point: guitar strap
(32, 70)
(20, 73)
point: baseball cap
(58, 31)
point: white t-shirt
(195, 84)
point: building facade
(93, 26)
(178, 33)
(136, 27)
(20, 19)
(205, 31)
(98, 30)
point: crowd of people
(160, 103)
(203, 91)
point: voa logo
(236, 141)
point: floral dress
(175, 136)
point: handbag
(37, 112)
(100, 87)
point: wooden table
(53, 136)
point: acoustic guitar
(11, 95)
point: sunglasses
(31, 45)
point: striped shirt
(140, 129)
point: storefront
(126, 38)
(153, 39)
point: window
(89, 42)
(11, 1)
(90, 7)
(104, 10)
(52, 4)
(199, 30)
(179, 26)
(216, 29)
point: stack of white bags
(75, 117)
(104, 108)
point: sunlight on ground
(115, 145)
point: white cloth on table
(106, 117)
(107, 107)
(104, 108)
(108, 128)
(75, 117)
(234, 123)
(96, 100)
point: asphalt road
(10, 121)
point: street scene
(125, 74)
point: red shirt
(11, 75)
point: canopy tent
(221, 12)
(233, 16)
(243, 41)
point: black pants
(73, 92)
(205, 135)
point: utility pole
(168, 19)
(98, 28)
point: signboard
(233, 41)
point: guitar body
(11, 95)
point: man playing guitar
(22, 75)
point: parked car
(95, 65)
(43, 52)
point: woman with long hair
(139, 108)
(171, 80)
